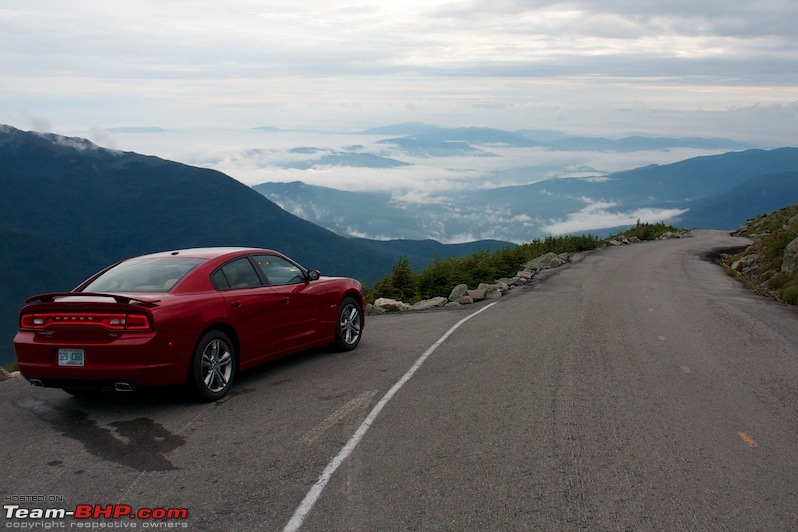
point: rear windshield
(157, 274)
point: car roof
(206, 253)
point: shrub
(789, 294)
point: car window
(279, 271)
(153, 274)
(236, 274)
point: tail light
(116, 321)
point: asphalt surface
(639, 389)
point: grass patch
(11, 368)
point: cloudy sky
(597, 67)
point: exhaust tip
(123, 387)
(36, 382)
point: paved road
(641, 389)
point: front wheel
(349, 327)
(213, 367)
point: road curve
(640, 388)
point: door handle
(285, 300)
(236, 304)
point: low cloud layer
(599, 215)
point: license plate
(70, 357)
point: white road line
(313, 495)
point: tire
(213, 367)
(349, 327)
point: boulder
(4, 375)
(789, 263)
(746, 261)
(634, 240)
(430, 303)
(391, 305)
(614, 242)
(493, 293)
(465, 300)
(544, 262)
(477, 295)
(458, 291)
(524, 274)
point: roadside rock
(371, 310)
(4, 375)
(544, 262)
(465, 300)
(458, 291)
(430, 303)
(391, 305)
(525, 275)
(614, 242)
(789, 263)
(477, 295)
(746, 261)
(493, 293)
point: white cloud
(597, 215)
(582, 66)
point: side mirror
(313, 275)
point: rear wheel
(213, 367)
(349, 326)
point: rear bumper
(141, 360)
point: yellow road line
(749, 441)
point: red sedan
(193, 316)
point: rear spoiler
(125, 300)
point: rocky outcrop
(769, 266)
(789, 261)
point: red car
(193, 316)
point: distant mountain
(632, 144)
(522, 213)
(752, 197)
(540, 135)
(480, 136)
(423, 251)
(688, 180)
(423, 146)
(403, 129)
(337, 158)
(267, 129)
